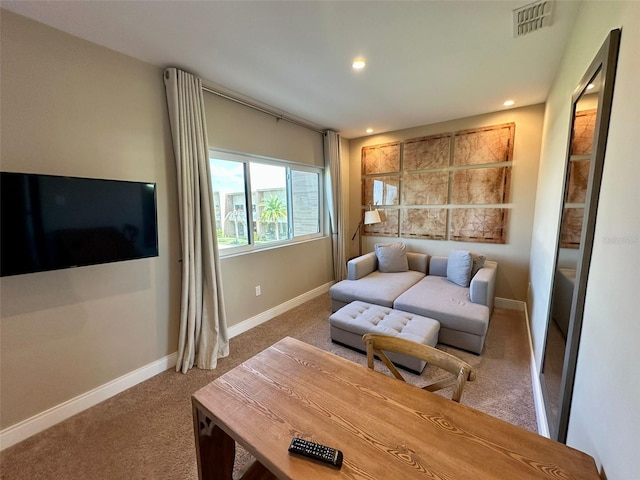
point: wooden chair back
(462, 372)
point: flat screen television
(51, 222)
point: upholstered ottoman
(352, 321)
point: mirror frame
(605, 62)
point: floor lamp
(370, 217)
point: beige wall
(513, 256)
(604, 420)
(282, 273)
(70, 107)
(286, 272)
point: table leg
(215, 449)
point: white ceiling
(427, 61)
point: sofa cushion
(438, 266)
(377, 287)
(418, 261)
(438, 298)
(459, 267)
(392, 257)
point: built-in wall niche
(451, 186)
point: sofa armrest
(362, 266)
(483, 284)
(418, 261)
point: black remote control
(315, 451)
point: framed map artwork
(381, 158)
(428, 188)
(424, 223)
(427, 152)
(484, 145)
(481, 186)
(486, 225)
(578, 180)
(381, 190)
(388, 227)
(571, 228)
(435, 182)
(584, 125)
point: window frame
(246, 159)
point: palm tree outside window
(273, 209)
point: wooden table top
(386, 429)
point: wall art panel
(381, 158)
(429, 188)
(578, 180)
(571, 228)
(388, 227)
(381, 190)
(583, 127)
(486, 145)
(486, 225)
(481, 186)
(426, 152)
(424, 223)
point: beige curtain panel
(203, 325)
(333, 181)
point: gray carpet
(146, 432)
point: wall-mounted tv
(51, 222)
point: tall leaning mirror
(590, 112)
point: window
(260, 202)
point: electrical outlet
(258, 291)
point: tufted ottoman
(352, 321)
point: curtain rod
(260, 109)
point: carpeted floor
(146, 432)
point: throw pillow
(478, 263)
(392, 257)
(459, 267)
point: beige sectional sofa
(424, 289)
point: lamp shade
(372, 216)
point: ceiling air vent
(532, 17)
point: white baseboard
(538, 399)
(249, 323)
(23, 430)
(26, 428)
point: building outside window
(284, 199)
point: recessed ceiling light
(508, 103)
(590, 86)
(369, 130)
(359, 63)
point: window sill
(253, 249)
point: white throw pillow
(459, 267)
(392, 257)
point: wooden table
(386, 429)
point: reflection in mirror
(591, 108)
(582, 139)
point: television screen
(51, 222)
